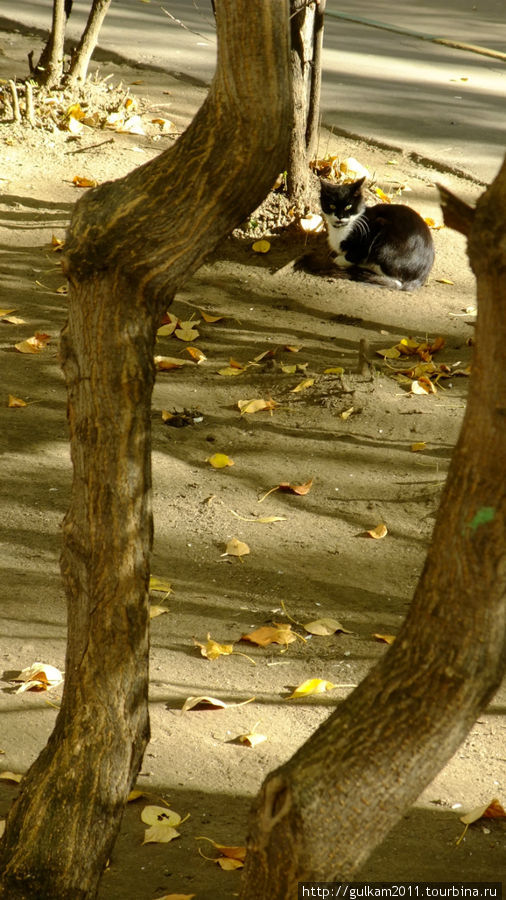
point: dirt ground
(312, 562)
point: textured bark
(319, 816)
(82, 54)
(49, 69)
(130, 245)
(306, 29)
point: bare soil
(315, 561)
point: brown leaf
(278, 633)
(379, 532)
(384, 638)
(15, 402)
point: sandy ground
(313, 561)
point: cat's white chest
(336, 235)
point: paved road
(445, 103)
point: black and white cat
(385, 244)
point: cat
(385, 244)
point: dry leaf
(423, 385)
(347, 413)
(212, 650)
(57, 243)
(220, 461)
(82, 182)
(279, 633)
(167, 329)
(160, 815)
(431, 223)
(236, 548)
(155, 611)
(15, 402)
(492, 810)
(160, 834)
(187, 331)
(261, 246)
(253, 406)
(196, 354)
(159, 584)
(252, 738)
(38, 677)
(209, 317)
(353, 169)
(311, 224)
(11, 776)
(311, 686)
(302, 385)
(74, 125)
(210, 703)
(231, 852)
(134, 795)
(334, 370)
(229, 864)
(177, 897)
(384, 638)
(299, 489)
(325, 627)
(7, 312)
(35, 344)
(379, 532)
(166, 363)
(381, 194)
(445, 281)
(417, 446)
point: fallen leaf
(431, 223)
(311, 224)
(381, 194)
(252, 738)
(74, 125)
(311, 686)
(160, 834)
(380, 531)
(177, 897)
(264, 520)
(7, 312)
(196, 354)
(279, 633)
(166, 363)
(299, 489)
(302, 385)
(187, 331)
(209, 317)
(253, 406)
(229, 864)
(445, 281)
(384, 638)
(235, 547)
(212, 650)
(38, 677)
(232, 852)
(165, 124)
(82, 182)
(57, 243)
(334, 370)
(417, 446)
(346, 413)
(155, 611)
(288, 369)
(492, 810)
(160, 815)
(2, 826)
(34, 344)
(132, 125)
(292, 348)
(220, 461)
(134, 795)
(15, 402)
(325, 627)
(210, 702)
(167, 329)
(159, 584)
(423, 385)
(11, 776)
(261, 246)
(353, 169)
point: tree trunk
(49, 69)
(83, 53)
(318, 817)
(306, 29)
(130, 245)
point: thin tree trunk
(313, 112)
(130, 245)
(82, 54)
(318, 817)
(49, 69)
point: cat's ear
(358, 185)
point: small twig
(90, 147)
(30, 115)
(15, 102)
(179, 22)
(364, 362)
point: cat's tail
(386, 281)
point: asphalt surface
(447, 104)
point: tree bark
(49, 69)
(82, 54)
(131, 243)
(318, 817)
(306, 29)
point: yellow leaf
(252, 739)
(423, 386)
(134, 795)
(34, 344)
(155, 611)
(75, 111)
(210, 703)
(231, 371)
(379, 532)
(299, 489)
(74, 125)
(353, 169)
(160, 834)
(132, 125)
(253, 406)
(228, 864)
(167, 329)
(212, 650)
(160, 815)
(302, 385)
(236, 548)
(6, 312)
(187, 331)
(292, 348)
(347, 413)
(279, 633)
(38, 677)
(220, 461)
(381, 194)
(57, 243)
(311, 224)
(491, 810)
(209, 317)
(166, 363)
(230, 852)
(389, 353)
(11, 776)
(14, 402)
(159, 584)
(334, 370)
(417, 446)
(311, 686)
(445, 281)
(196, 354)
(261, 246)
(325, 627)
(431, 223)
(288, 369)
(82, 182)
(384, 638)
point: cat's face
(341, 203)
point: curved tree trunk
(82, 54)
(49, 69)
(318, 817)
(130, 244)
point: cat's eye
(332, 207)
(346, 208)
